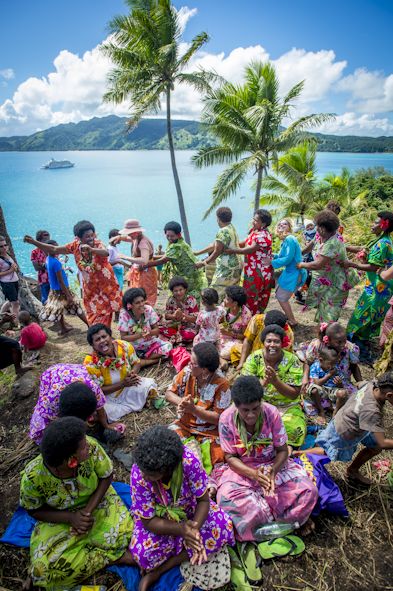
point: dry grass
(350, 555)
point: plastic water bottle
(270, 531)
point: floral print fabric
(151, 550)
(209, 326)
(228, 266)
(238, 325)
(182, 263)
(144, 346)
(59, 559)
(101, 292)
(52, 382)
(257, 277)
(243, 498)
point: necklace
(228, 321)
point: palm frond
(228, 182)
(212, 155)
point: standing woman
(181, 259)
(9, 280)
(291, 279)
(101, 292)
(258, 270)
(228, 263)
(328, 290)
(38, 258)
(373, 303)
(142, 251)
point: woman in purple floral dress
(175, 521)
(259, 483)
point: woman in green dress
(82, 524)
(281, 376)
(180, 260)
(228, 265)
(373, 303)
(330, 283)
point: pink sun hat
(131, 227)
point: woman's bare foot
(308, 528)
(22, 370)
(356, 476)
(64, 331)
(148, 579)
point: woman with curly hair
(373, 303)
(181, 311)
(175, 521)
(82, 525)
(328, 290)
(258, 275)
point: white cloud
(184, 14)
(370, 91)
(7, 73)
(358, 124)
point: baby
(326, 385)
(208, 319)
(32, 337)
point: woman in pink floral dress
(174, 518)
(259, 483)
(258, 272)
(235, 322)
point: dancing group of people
(226, 466)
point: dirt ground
(351, 555)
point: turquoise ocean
(107, 187)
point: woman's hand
(270, 375)
(131, 380)
(304, 386)
(28, 239)
(346, 264)
(178, 314)
(86, 248)
(187, 405)
(198, 558)
(301, 266)
(199, 264)
(191, 536)
(265, 477)
(81, 522)
(115, 240)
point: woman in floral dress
(181, 311)
(138, 324)
(115, 365)
(101, 292)
(235, 322)
(200, 393)
(228, 264)
(175, 521)
(82, 524)
(258, 272)
(373, 303)
(180, 260)
(330, 283)
(52, 382)
(259, 484)
(281, 375)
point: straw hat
(131, 227)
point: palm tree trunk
(183, 216)
(258, 189)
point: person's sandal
(238, 576)
(249, 560)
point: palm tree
(145, 49)
(340, 188)
(294, 191)
(247, 121)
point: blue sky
(51, 71)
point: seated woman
(52, 383)
(332, 335)
(82, 525)
(281, 375)
(115, 365)
(181, 311)
(260, 484)
(200, 394)
(138, 324)
(252, 341)
(175, 520)
(235, 322)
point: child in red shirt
(32, 337)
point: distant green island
(110, 133)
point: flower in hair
(72, 462)
(384, 224)
(325, 339)
(323, 326)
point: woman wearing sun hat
(142, 251)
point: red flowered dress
(101, 292)
(258, 278)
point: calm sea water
(109, 187)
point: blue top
(53, 265)
(289, 256)
(317, 372)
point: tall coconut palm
(247, 121)
(340, 188)
(294, 191)
(145, 49)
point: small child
(326, 386)
(158, 255)
(60, 297)
(208, 320)
(360, 420)
(32, 337)
(115, 258)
